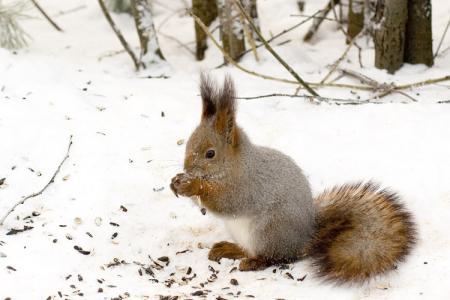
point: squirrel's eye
(210, 153)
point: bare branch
(42, 11)
(275, 36)
(442, 39)
(52, 179)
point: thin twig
(69, 11)
(275, 54)
(118, 34)
(349, 38)
(442, 39)
(42, 11)
(180, 43)
(313, 17)
(336, 64)
(317, 21)
(110, 54)
(52, 179)
(351, 42)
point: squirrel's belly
(239, 228)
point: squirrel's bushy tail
(362, 231)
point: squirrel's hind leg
(226, 250)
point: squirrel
(352, 233)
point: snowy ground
(112, 199)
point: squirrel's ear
(225, 123)
(208, 92)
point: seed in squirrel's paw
(203, 210)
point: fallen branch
(119, 34)
(382, 89)
(52, 179)
(275, 54)
(42, 11)
(422, 83)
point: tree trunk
(150, 51)
(206, 10)
(419, 43)
(231, 29)
(391, 16)
(355, 18)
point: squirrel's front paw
(185, 185)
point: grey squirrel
(352, 232)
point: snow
(125, 131)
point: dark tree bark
(231, 29)
(355, 18)
(389, 36)
(150, 50)
(419, 43)
(206, 10)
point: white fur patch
(239, 228)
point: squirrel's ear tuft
(209, 94)
(225, 121)
(227, 96)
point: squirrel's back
(362, 231)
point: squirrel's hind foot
(254, 264)
(226, 250)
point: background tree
(419, 41)
(206, 10)
(391, 16)
(231, 29)
(150, 50)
